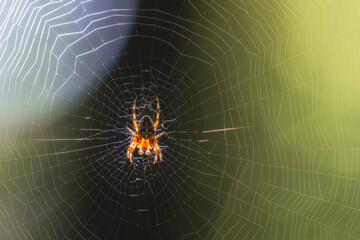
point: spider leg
(131, 149)
(159, 135)
(157, 152)
(157, 114)
(134, 117)
(156, 156)
(132, 132)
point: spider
(144, 137)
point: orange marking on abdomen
(144, 144)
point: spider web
(257, 102)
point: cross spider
(144, 137)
